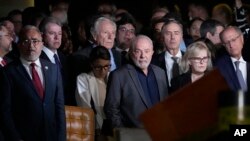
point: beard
(142, 64)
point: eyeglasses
(232, 40)
(125, 30)
(7, 35)
(98, 68)
(34, 42)
(199, 59)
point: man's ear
(208, 35)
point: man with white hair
(135, 87)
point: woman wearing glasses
(194, 65)
(91, 87)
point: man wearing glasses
(232, 66)
(32, 103)
(5, 45)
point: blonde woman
(194, 65)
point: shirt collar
(27, 63)
(49, 53)
(168, 55)
(241, 59)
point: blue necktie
(57, 61)
(240, 76)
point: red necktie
(36, 81)
(3, 62)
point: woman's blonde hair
(192, 50)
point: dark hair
(99, 52)
(193, 20)
(13, 13)
(209, 26)
(125, 18)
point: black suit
(159, 60)
(180, 81)
(24, 115)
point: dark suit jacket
(125, 99)
(65, 76)
(159, 60)
(23, 114)
(226, 68)
(180, 81)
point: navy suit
(65, 77)
(226, 68)
(24, 115)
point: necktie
(240, 76)
(3, 62)
(37, 81)
(175, 69)
(57, 61)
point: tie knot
(237, 63)
(175, 59)
(33, 64)
(3, 62)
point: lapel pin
(46, 67)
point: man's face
(31, 46)
(233, 42)
(125, 34)
(215, 39)
(142, 53)
(172, 36)
(106, 34)
(5, 40)
(52, 36)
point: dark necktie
(37, 81)
(124, 53)
(175, 69)
(240, 76)
(57, 61)
(3, 62)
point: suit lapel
(22, 72)
(93, 90)
(47, 74)
(158, 78)
(137, 84)
(232, 73)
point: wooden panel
(190, 110)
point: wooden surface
(190, 110)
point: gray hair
(48, 20)
(135, 40)
(26, 28)
(94, 30)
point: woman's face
(195, 30)
(198, 63)
(101, 68)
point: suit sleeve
(112, 101)
(60, 111)
(6, 120)
(83, 97)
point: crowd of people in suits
(111, 65)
